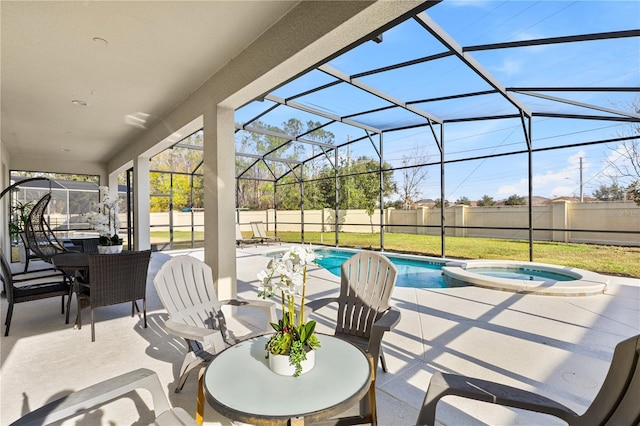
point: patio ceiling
(132, 63)
(460, 62)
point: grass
(611, 260)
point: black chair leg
(93, 328)
(383, 361)
(7, 321)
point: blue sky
(606, 63)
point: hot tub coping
(584, 283)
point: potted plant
(294, 338)
(105, 219)
(19, 216)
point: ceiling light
(64, 150)
(79, 102)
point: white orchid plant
(287, 275)
(105, 219)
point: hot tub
(524, 277)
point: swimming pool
(505, 275)
(413, 273)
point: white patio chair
(186, 288)
(84, 400)
(260, 233)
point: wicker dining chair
(90, 245)
(113, 279)
(32, 286)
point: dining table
(239, 384)
(73, 264)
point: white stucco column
(141, 192)
(219, 195)
(112, 182)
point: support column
(559, 220)
(141, 204)
(421, 220)
(219, 193)
(460, 220)
(112, 182)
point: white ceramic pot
(279, 364)
(110, 249)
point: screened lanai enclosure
(508, 120)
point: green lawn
(612, 260)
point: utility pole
(581, 198)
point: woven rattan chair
(186, 288)
(32, 286)
(617, 402)
(28, 254)
(364, 313)
(88, 399)
(114, 279)
(90, 245)
(39, 237)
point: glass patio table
(239, 384)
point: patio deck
(559, 346)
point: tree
(486, 201)
(611, 192)
(413, 173)
(255, 189)
(463, 200)
(439, 203)
(634, 192)
(515, 200)
(624, 163)
(185, 162)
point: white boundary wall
(618, 216)
(614, 216)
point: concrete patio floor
(560, 347)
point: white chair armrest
(210, 338)
(85, 399)
(268, 307)
(314, 305)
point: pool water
(521, 274)
(416, 273)
(411, 273)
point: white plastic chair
(84, 400)
(186, 288)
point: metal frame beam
(363, 86)
(444, 38)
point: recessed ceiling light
(79, 102)
(64, 150)
(100, 40)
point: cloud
(552, 183)
(507, 190)
(510, 67)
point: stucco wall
(618, 216)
